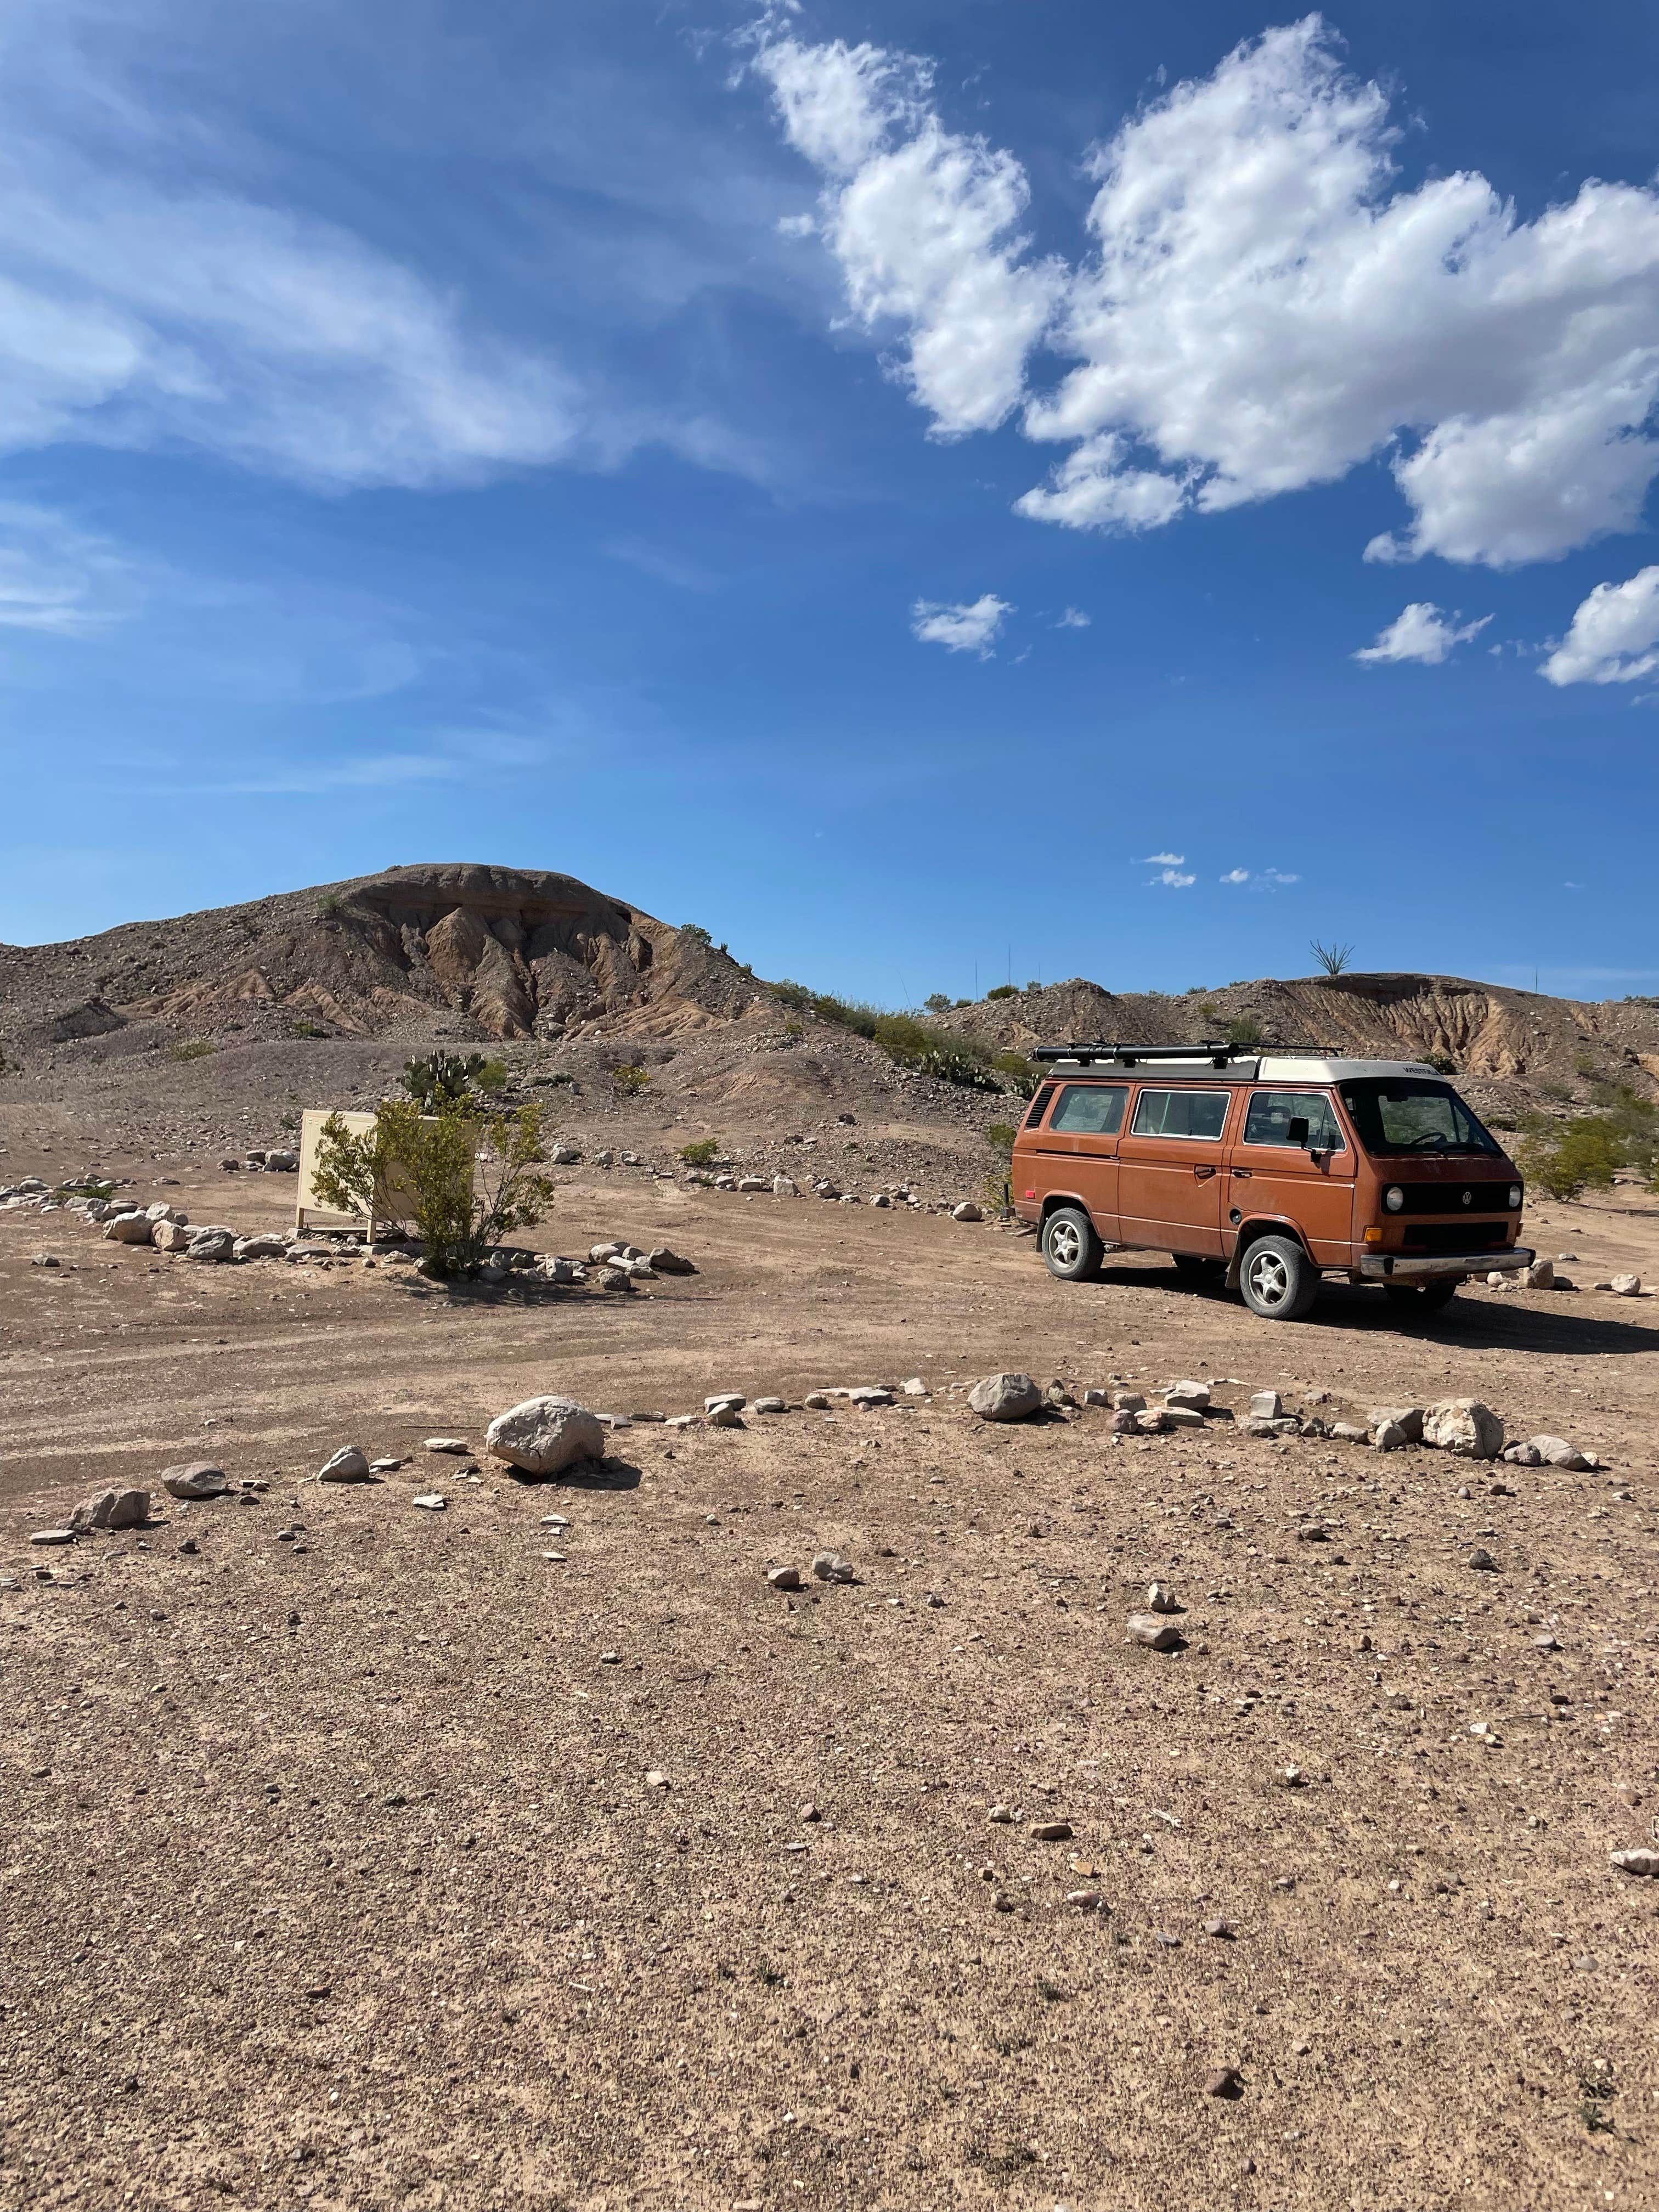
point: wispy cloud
(970, 626)
(1162, 860)
(1421, 633)
(56, 578)
(1173, 879)
(376, 772)
(1237, 876)
(1075, 618)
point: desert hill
(200, 1032)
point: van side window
(1181, 1113)
(1272, 1113)
(1090, 1109)
(1039, 1106)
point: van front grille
(1456, 1235)
(1488, 1196)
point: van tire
(1278, 1279)
(1071, 1249)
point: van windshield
(1412, 1114)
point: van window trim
(1162, 1137)
(1063, 1090)
(1260, 1089)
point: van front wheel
(1071, 1248)
(1278, 1281)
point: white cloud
(1075, 618)
(1163, 860)
(1421, 633)
(922, 221)
(1271, 876)
(971, 626)
(1262, 307)
(1174, 879)
(1614, 636)
(1237, 876)
(58, 577)
(796, 226)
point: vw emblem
(1469, 1198)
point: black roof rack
(1129, 1055)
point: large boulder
(266, 1245)
(211, 1244)
(129, 1229)
(115, 1509)
(669, 1262)
(1004, 1398)
(1463, 1426)
(171, 1236)
(544, 1435)
(348, 1464)
(198, 1478)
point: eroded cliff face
(518, 952)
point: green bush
(629, 1081)
(440, 1079)
(431, 1172)
(1001, 1138)
(1246, 1030)
(310, 1030)
(1567, 1158)
(700, 1155)
(191, 1049)
(1004, 991)
(937, 1002)
(1019, 1073)
(1441, 1062)
(697, 934)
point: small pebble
(1050, 1832)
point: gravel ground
(349, 1870)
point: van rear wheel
(1278, 1281)
(1071, 1249)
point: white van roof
(1242, 1067)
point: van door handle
(1242, 1175)
(1203, 1174)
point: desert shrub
(440, 1079)
(629, 1081)
(1246, 1030)
(824, 1007)
(937, 1002)
(328, 905)
(697, 934)
(462, 1181)
(1441, 1062)
(1567, 1158)
(1333, 959)
(1001, 1138)
(1004, 991)
(309, 1029)
(930, 1050)
(1016, 1072)
(700, 1155)
(191, 1049)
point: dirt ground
(455, 1859)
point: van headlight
(1394, 1198)
(1514, 1194)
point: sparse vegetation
(1019, 1073)
(460, 1180)
(907, 1040)
(1333, 959)
(191, 1049)
(303, 1029)
(1001, 1138)
(1004, 991)
(703, 1153)
(937, 1002)
(439, 1081)
(698, 935)
(328, 905)
(1246, 1030)
(629, 1080)
(1441, 1062)
(1567, 1158)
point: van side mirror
(1297, 1134)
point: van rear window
(1090, 1109)
(1181, 1113)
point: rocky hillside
(571, 982)
(1520, 1046)
(503, 952)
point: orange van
(1266, 1169)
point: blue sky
(927, 492)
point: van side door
(1292, 1161)
(1169, 1163)
(1078, 1150)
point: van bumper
(1426, 1267)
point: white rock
(1009, 1397)
(455, 1445)
(544, 1435)
(669, 1262)
(967, 1212)
(194, 1478)
(1153, 1629)
(1556, 1451)
(1409, 1419)
(1160, 1598)
(831, 1567)
(753, 1183)
(1641, 1860)
(881, 1199)
(771, 1405)
(870, 1394)
(723, 1400)
(784, 1186)
(1626, 1286)
(53, 1536)
(1128, 1401)
(916, 1388)
(816, 1401)
(348, 1464)
(1349, 1432)
(431, 1501)
(282, 1162)
(129, 1229)
(784, 1578)
(1195, 1395)
(115, 1509)
(267, 1245)
(1182, 1417)
(1266, 1406)
(1464, 1427)
(1541, 1276)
